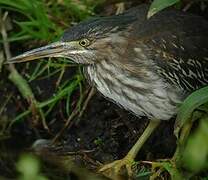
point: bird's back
(177, 43)
(159, 62)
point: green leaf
(29, 168)
(173, 171)
(158, 5)
(38, 24)
(192, 102)
(21, 84)
(195, 155)
(170, 167)
(62, 93)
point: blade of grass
(193, 101)
(158, 5)
(60, 95)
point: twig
(1, 60)
(80, 152)
(5, 103)
(90, 95)
(74, 113)
(120, 8)
(60, 77)
(66, 125)
(147, 162)
(188, 6)
(15, 77)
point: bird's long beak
(52, 50)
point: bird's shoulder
(177, 43)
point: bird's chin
(80, 58)
(82, 62)
(74, 60)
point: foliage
(36, 24)
(192, 102)
(192, 152)
(44, 20)
(158, 5)
(29, 168)
(195, 155)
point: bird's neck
(137, 94)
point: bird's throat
(132, 93)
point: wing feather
(177, 43)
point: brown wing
(177, 43)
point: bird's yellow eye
(84, 42)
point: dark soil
(111, 132)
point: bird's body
(153, 98)
(163, 62)
(148, 66)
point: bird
(148, 66)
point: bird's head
(86, 43)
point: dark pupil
(83, 43)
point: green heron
(148, 66)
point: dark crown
(98, 27)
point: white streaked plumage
(159, 103)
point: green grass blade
(195, 155)
(158, 5)
(51, 101)
(192, 102)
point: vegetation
(42, 21)
(29, 168)
(158, 5)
